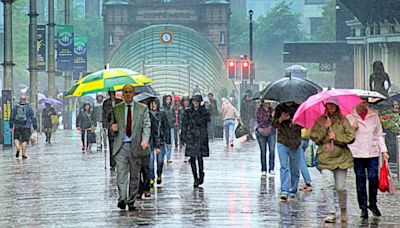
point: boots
(201, 179)
(342, 196)
(194, 171)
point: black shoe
(364, 213)
(196, 184)
(201, 180)
(131, 207)
(375, 211)
(24, 157)
(159, 180)
(122, 205)
(112, 168)
(17, 154)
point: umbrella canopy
(143, 96)
(107, 80)
(145, 89)
(395, 98)
(296, 68)
(314, 107)
(51, 101)
(373, 96)
(290, 89)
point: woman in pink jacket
(366, 149)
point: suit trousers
(127, 166)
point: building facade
(312, 15)
(124, 17)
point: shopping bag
(54, 120)
(34, 137)
(241, 130)
(384, 178)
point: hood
(165, 98)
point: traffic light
(231, 65)
(245, 69)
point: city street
(59, 186)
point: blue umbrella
(51, 101)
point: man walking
(247, 113)
(107, 114)
(212, 108)
(131, 123)
(22, 117)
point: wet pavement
(59, 186)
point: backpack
(20, 116)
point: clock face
(166, 37)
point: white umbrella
(296, 68)
(373, 96)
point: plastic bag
(34, 138)
(384, 177)
(54, 120)
(241, 130)
(392, 186)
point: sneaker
(283, 197)
(271, 173)
(263, 173)
(169, 161)
(292, 198)
(152, 183)
(375, 211)
(306, 188)
(364, 213)
(159, 180)
(331, 218)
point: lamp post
(251, 49)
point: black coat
(46, 117)
(160, 131)
(194, 132)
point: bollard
(398, 157)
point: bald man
(22, 117)
(131, 124)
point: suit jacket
(107, 107)
(140, 128)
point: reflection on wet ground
(60, 186)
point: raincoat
(194, 132)
(341, 156)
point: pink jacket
(369, 140)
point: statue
(379, 80)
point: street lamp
(251, 48)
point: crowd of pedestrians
(142, 131)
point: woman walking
(366, 149)
(195, 135)
(168, 108)
(185, 104)
(47, 114)
(229, 114)
(266, 135)
(87, 125)
(332, 133)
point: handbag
(384, 178)
(265, 131)
(241, 130)
(54, 120)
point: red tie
(128, 129)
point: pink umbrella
(314, 107)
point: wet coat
(46, 117)
(341, 156)
(169, 111)
(85, 120)
(194, 132)
(160, 130)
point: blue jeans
(229, 126)
(262, 142)
(160, 161)
(290, 169)
(169, 150)
(371, 166)
(303, 163)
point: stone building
(124, 17)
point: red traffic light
(231, 63)
(245, 64)
(231, 71)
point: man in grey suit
(131, 123)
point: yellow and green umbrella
(107, 80)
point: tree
(272, 30)
(239, 34)
(327, 30)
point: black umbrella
(145, 89)
(290, 89)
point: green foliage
(327, 30)
(391, 121)
(239, 34)
(20, 41)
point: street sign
(65, 47)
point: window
(315, 22)
(222, 38)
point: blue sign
(80, 56)
(65, 47)
(6, 104)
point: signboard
(166, 15)
(80, 56)
(41, 47)
(65, 47)
(6, 106)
